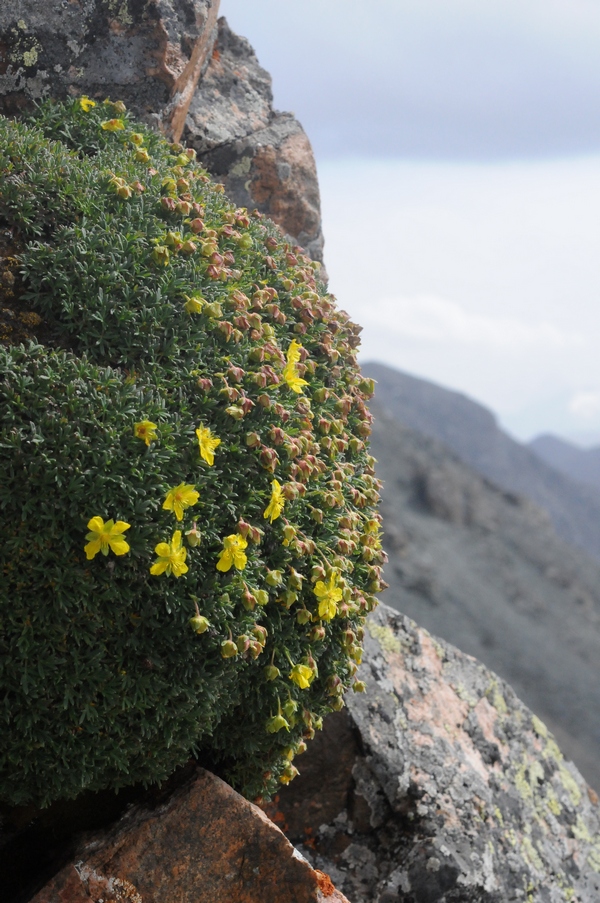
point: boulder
(150, 55)
(202, 843)
(437, 785)
(180, 71)
(263, 157)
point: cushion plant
(189, 541)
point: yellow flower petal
(208, 443)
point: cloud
(585, 405)
(461, 80)
(433, 319)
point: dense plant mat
(189, 542)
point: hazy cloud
(439, 320)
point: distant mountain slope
(581, 464)
(484, 569)
(471, 431)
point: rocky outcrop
(263, 157)
(202, 843)
(150, 55)
(177, 70)
(440, 786)
(484, 569)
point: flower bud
(303, 616)
(262, 596)
(274, 578)
(199, 623)
(188, 247)
(317, 634)
(359, 686)
(252, 440)
(276, 724)
(245, 242)
(337, 704)
(228, 649)
(334, 685)
(193, 536)
(272, 673)
(288, 774)
(168, 204)
(243, 643)
(161, 256)
(264, 401)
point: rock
(149, 55)
(484, 569)
(263, 157)
(202, 844)
(454, 792)
(163, 59)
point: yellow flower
(86, 104)
(290, 371)
(145, 430)
(179, 498)
(233, 553)
(275, 506)
(328, 595)
(136, 139)
(103, 536)
(112, 125)
(207, 443)
(171, 557)
(293, 352)
(302, 676)
(194, 304)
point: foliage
(189, 541)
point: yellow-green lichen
(581, 832)
(119, 10)
(539, 726)
(570, 785)
(552, 802)
(530, 855)
(498, 816)
(594, 858)
(526, 778)
(496, 698)
(385, 637)
(30, 57)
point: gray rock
(456, 792)
(263, 157)
(484, 569)
(148, 54)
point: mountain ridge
(472, 432)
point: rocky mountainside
(484, 568)
(580, 464)
(471, 431)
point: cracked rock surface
(147, 53)
(446, 788)
(262, 156)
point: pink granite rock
(202, 844)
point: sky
(458, 153)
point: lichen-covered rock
(456, 792)
(203, 843)
(263, 157)
(149, 54)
